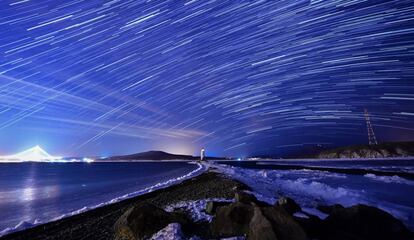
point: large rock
(212, 206)
(364, 222)
(245, 217)
(232, 220)
(143, 220)
(312, 225)
(328, 209)
(285, 227)
(260, 227)
(288, 204)
(247, 198)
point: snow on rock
(171, 231)
(234, 238)
(300, 215)
(196, 209)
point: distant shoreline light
(37, 154)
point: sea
(34, 193)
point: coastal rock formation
(288, 204)
(212, 206)
(364, 222)
(384, 150)
(249, 218)
(232, 220)
(144, 220)
(260, 227)
(359, 222)
(257, 220)
(329, 209)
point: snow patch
(171, 231)
(196, 208)
(300, 215)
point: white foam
(20, 226)
(389, 179)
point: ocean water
(33, 193)
(310, 188)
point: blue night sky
(88, 77)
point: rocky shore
(248, 218)
(212, 206)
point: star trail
(236, 77)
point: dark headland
(157, 155)
(382, 150)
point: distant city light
(88, 160)
(36, 154)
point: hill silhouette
(158, 155)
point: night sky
(88, 77)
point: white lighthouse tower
(202, 154)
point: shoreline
(200, 169)
(98, 223)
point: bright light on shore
(36, 154)
(88, 160)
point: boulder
(232, 220)
(312, 225)
(245, 197)
(143, 220)
(288, 204)
(212, 206)
(364, 222)
(328, 209)
(260, 228)
(248, 198)
(285, 227)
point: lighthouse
(202, 154)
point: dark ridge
(382, 150)
(157, 155)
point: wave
(29, 224)
(389, 179)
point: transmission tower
(371, 135)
